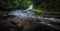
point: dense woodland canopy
(48, 6)
(51, 6)
(14, 4)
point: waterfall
(22, 13)
(30, 7)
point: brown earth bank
(8, 23)
(16, 24)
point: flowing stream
(52, 22)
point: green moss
(40, 11)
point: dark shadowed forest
(29, 15)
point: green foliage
(14, 4)
(40, 11)
(50, 6)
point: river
(51, 22)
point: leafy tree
(14, 4)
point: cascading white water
(29, 13)
(23, 13)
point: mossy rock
(40, 11)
